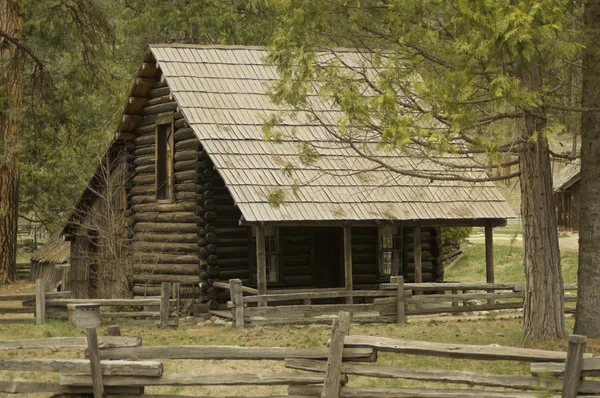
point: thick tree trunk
(544, 301)
(10, 104)
(588, 274)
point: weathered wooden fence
(393, 302)
(121, 366)
(43, 306)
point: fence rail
(393, 302)
(43, 306)
(121, 366)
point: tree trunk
(588, 274)
(11, 96)
(544, 301)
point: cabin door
(328, 257)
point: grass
(508, 265)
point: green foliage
(275, 197)
(455, 236)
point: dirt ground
(566, 242)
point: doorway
(327, 257)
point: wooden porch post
(489, 253)
(261, 260)
(417, 252)
(348, 260)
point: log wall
(166, 234)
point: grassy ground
(508, 265)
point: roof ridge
(210, 46)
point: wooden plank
(22, 321)
(55, 343)
(103, 302)
(339, 330)
(17, 310)
(95, 370)
(232, 352)
(27, 387)
(417, 254)
(195, 379)
(225, 286)
(165, 293)
(40, 301)
(433, 298)
(238, 302)
(399, 281)
(261, 260)
(573, 365)
(591, 368)
(296, 311)
(390, 392)
(31, 296)
(348, 261)
(109, 368)
(517, 382)
(464, 308)
(318, 295)
(455, 350)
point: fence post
(399, 281)
(164, 304)
(177, 296)
(235, 290)
(573, 365)
(40, 301)
(92, 341)
(339, 329)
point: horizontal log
(318, 295)
(455, 350)
(195, 379)
(109, 368)
(436, 298)
(142, 190)
(226, 286)
(165, 247)
(189, 154)
(232, 352)
(145, 139)
(517, 382)
(391, 392)
(301, 311)
(104, 302)
(30, 387)
(144, 179)
(141, 199)
(591, 368)
(158, 258)
(31, 296)
(186, 176)
(456, 286)
(188, 144)
(57, 343)
(164, 207)
(185, 133)
(16, 310)
(159, 278)
(171, 217)
(144, 160)
(144, 151)
(166, 269)
(175, 238)
(164, 107)
(159, 92)
(145, 170)
(165, 227)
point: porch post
(489, 253)
(348, 260)
(261, 260)
(417, 253)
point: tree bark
(588, 274)
(11, 95)
(544, 300)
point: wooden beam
(142, 87)
(489, 253)
(261, 260)
(573, 366)
(348, 260)
(96, 370)
(147, 70)
(333, 368)
(40, 301)
(417, 254)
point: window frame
(164, 160)
(272, 254)
(396, 235)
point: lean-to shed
(51, 263)
(208, 198)
(566, 197)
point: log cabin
(566, 197)
(196, 194)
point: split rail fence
(121, 366)
(44, 306)
(393, 302)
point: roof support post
(417, 253)
(489, 253)
(348, 260)
(261, 261)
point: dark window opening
(271, 254)
(390, 250)
(164, 161)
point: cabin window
(165, 149)
(390, 250)
(271, 253)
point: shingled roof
(223, 94)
